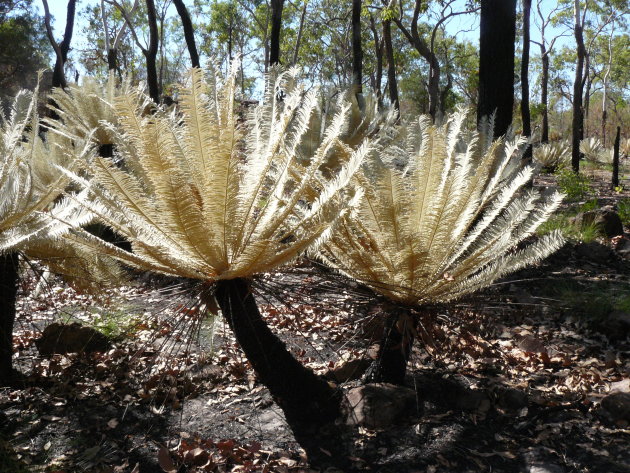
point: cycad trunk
(8, 295)
(394, 351)
(311, 406)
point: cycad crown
(450, 223)
(201, 196)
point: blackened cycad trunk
(310, 404)
(8, 296)
(390, 365)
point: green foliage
(118, 325)
(577, 232)
(594, 302)
(574, 186)
(623, 209)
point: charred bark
(311, 406)
(577, 123)
(8, 289)
(394, 351)
(615, 173)
(189, 32)
(357, 51)
(544, 96)
(276, 24)
(496, 62)
(525, 113)
(150, 53)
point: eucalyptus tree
(544, 20)
(61, 48)
(426, 46)
(24, 47)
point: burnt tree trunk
(496, 62)
(391, 66)
(112, 60)
(394, 351)
(189, 32)
(378, 53)
(544, 95)
(357, 51)
(311, 406)
(276, 24)
(150, 53)
(615, 173)
(8, 291)
(525, 113)
(577, 123)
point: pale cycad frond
(553, 155)
(200, 194)
(33, 215)
(87, 108)
(452, 222)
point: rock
(380, 405)
(595, 252)
(348, 371)
(512, 399)
(617, 406)
(622, 247)
(71, 338)
(608, 220)
(616, 325)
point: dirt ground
(510, 380)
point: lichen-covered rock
(71, 338)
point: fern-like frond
(454, 220)
(202, 194)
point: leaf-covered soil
(511, 380)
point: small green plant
(117, 325)
(623, 209)
(572, 230)
(574, 186)
(589, 205)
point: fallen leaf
(165, 461)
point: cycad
(591, 148)
(32, 216)
(449, 224)
(551, 156)
(202, 197)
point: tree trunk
(496, 62)
(189, 32)
(8, 289)
(300, 32)
(150, 53)
(544, 95)
(577, 123)
(357, 51)
(394, 351)
(525, 113)
(62, 48)
(378, 53)
(391, 66)
(310, 404)
(276, 23)
(112, 62)
(615, 174)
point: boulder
(60, 338)
(595, 252)
(615, 325)
(608, 220)
(349, 371)
(617, 407)
(379, 405)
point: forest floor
(510, 380)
